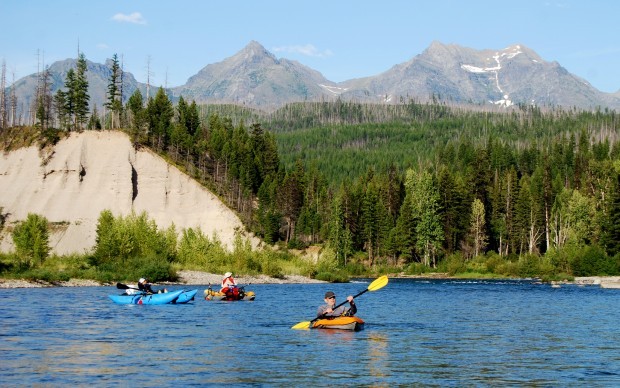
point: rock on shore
(602, 281)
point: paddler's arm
(353, 308)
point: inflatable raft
(240, 294)
(174, 297)
(340, 323)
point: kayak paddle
(122, 286)
(377, 284)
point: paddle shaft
(346, 301)
(122, 286)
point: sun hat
(142, 280)
(329, 294)
(228, 274)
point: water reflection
(378, 348)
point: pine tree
(160, 113)
(114, 93)
(340, 237)
(80, 93)
(291, 198)
(611, 226)
(477, 229)
(135, 105)
(425, 200)
(94, 122)
(61, 107)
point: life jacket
(226, 287)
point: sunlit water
(443, 333)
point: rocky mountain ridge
(256, 78)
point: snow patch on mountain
(507, 53)
(335, 90)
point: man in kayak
(327, 310)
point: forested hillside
(427, 182)
(530, 191)
(435, 181)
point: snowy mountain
(504, 77)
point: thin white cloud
(135, 18)
(307, 50)
(102, 46)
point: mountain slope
(255, 77)
(512, 75)
(93, 171)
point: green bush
(199, 252)
(508, 268)
(132, 236)
(593, 261)
(296, 244)
(154, 268)
(46, 275)
(271, 268)
(356, 269)
(7, 262)
(560, 259)
(493, 262)
(529, 265)
(333, 277)
(454, 263)
(31, 239)
(477, 265)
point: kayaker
(228, 283)
(144, 285)
(327, 310)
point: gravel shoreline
(185, 277)
(205, 278)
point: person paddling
(327, 310)
(145, 286)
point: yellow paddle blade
(378, 283)
(302, 325)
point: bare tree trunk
(3, 102)
(14, 120)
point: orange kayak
(341, 323)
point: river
(418, 332)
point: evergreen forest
(410, 187)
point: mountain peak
(255, 52)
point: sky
(342, 39)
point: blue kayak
(186, 296)
(142, 298)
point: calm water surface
(442, 333)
